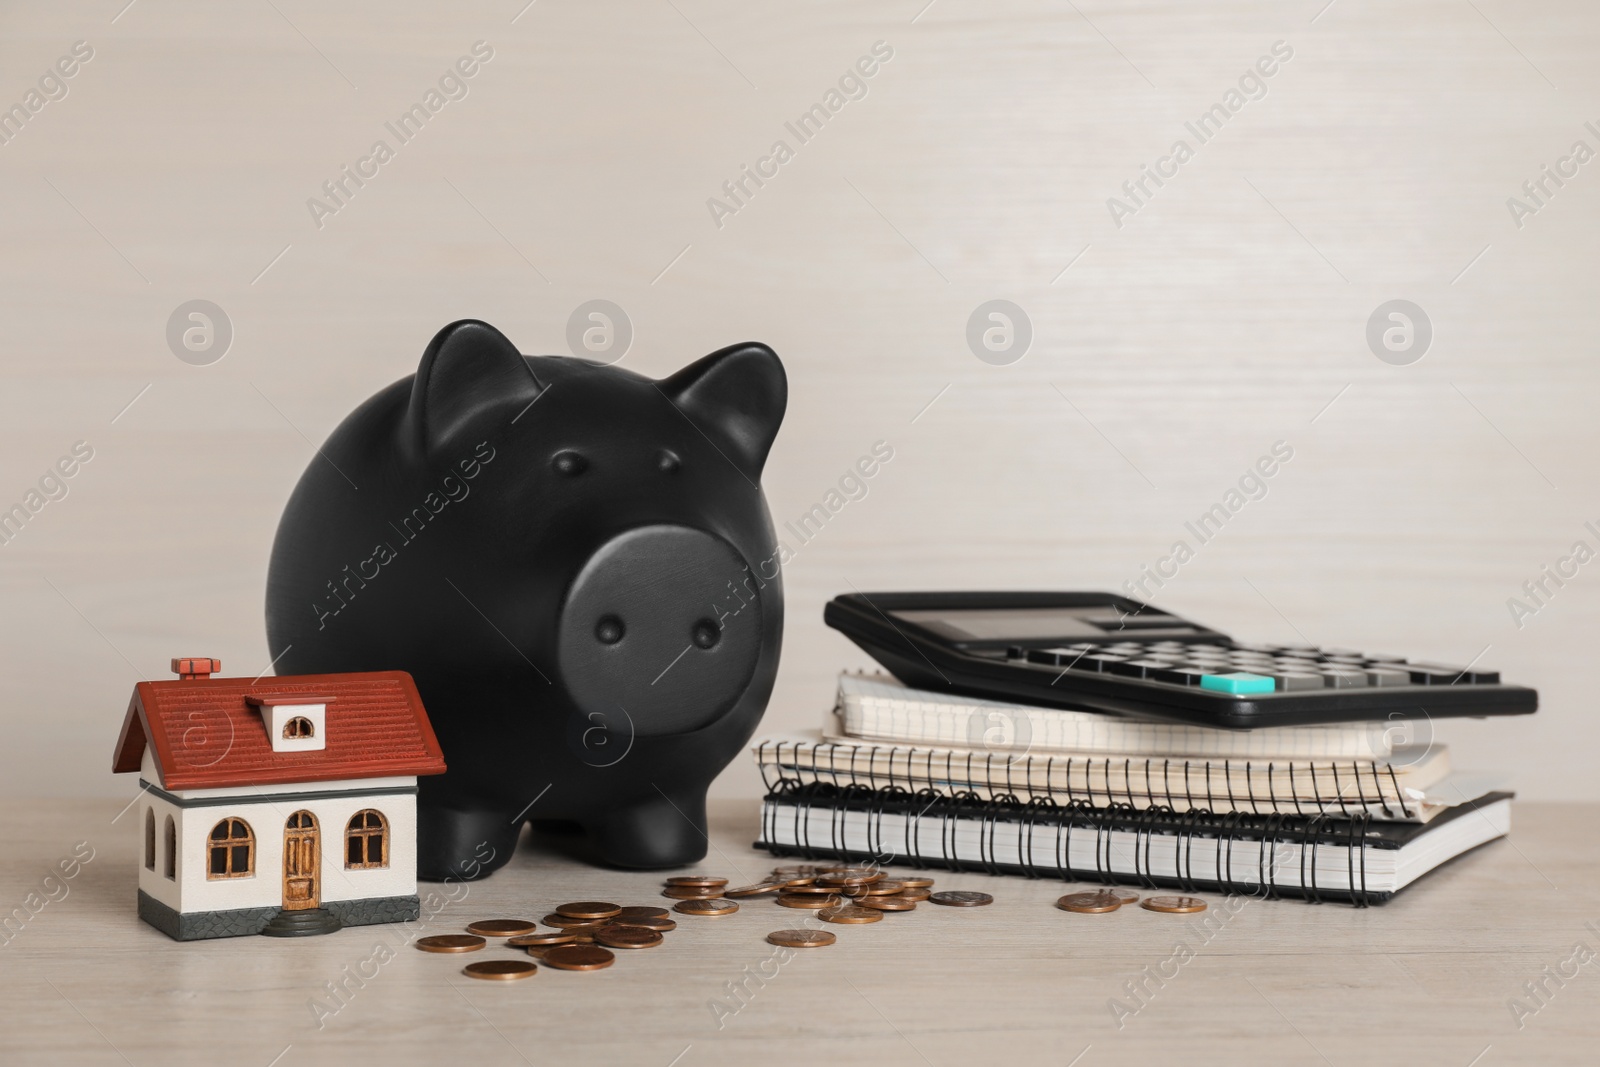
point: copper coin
(718, 906)
(801, 870)
(851, 876)
(639, 912)
(801, 938)
(809, 890)
(502, 927)
(754, 890)
(691, 892)
(961, 898)
(660, 926)
(916, 892)
(914, 881)
(887, 887)
(1177, 905)
(1127, 896)
(793, 900)
(794, 879)
(567, 922)
(451, 943)
(589, 909)
(888, 903)
(627, 937)
(1094, 902)
(702, 880)
(559, 937)
(850, 914)
(500, 970)
(579, 957)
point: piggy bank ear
(736, 397)
(468, 370)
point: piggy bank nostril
(609, 630)
(706, 634)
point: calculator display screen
(1036, 626)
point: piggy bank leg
(463, 844)
(659, 832)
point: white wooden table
(1425, 979)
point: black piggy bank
(577, 566)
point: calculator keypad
(1247, 670)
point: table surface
(1428, 978)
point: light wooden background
(1167, 354)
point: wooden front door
(301, 861)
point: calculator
(1108, 653)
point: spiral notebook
(1361, 861)
(1414, 784)
(878, 708)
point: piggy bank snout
(663, 624)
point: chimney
(190, 668)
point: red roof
(206, 735)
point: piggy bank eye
(668, 462)
(570, 464)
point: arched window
(172, 849)
(232, 850)
(149, 839)
(366, 840)
(299, 727)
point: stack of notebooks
(1345, 812)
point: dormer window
(295, 722)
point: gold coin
(914, 881)
(701, 880)
(627, 937)
(559, 937)
(451, 943)
(850, 914)
(916, 892)
(639, 912)
(579, 957)
(1176, 905)
(589, 909)
(660, 926)
(1090, 903)
(717, 906)
(801, 938)
(564, 922)
(500, 970)
(888, 903)
(793, 900)
(502, 927)
(961, 898)
(754, 890)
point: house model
(278, 805)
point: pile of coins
(1102, 901)
(584, 933)
(582, 937)
(834, 893)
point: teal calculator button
(1238, 684)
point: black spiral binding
(856, 811)
(1359, 788)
